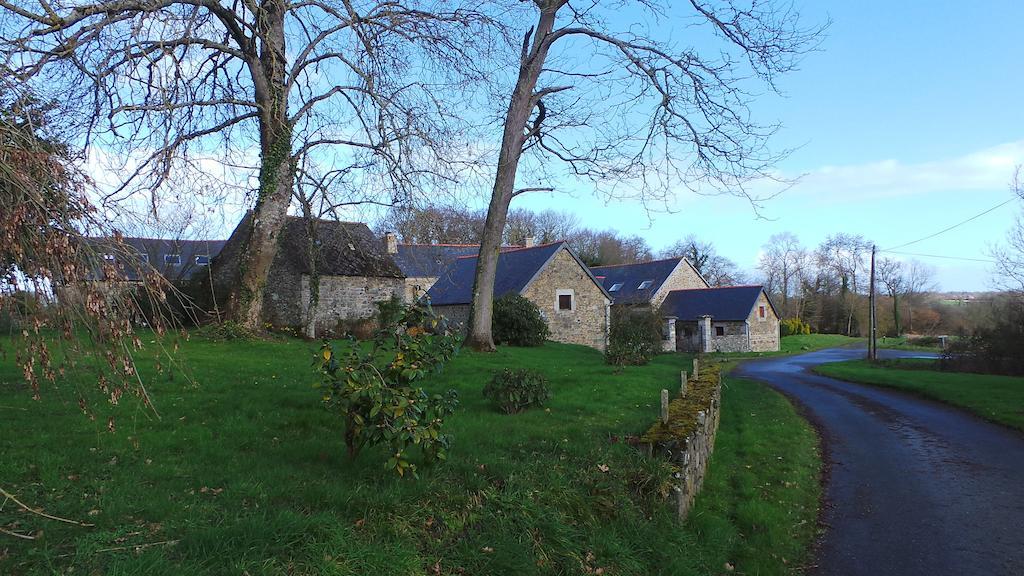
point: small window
(172, 258)
(202, 260)
(108, 257)
(565, 301)
(762, 312)
(645, 285)
(719, 330)
(616, 287)
(144, 258)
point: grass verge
(246, 473)
(763, 488)
(996, 398)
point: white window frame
(572, 300)
(616, 287)
(645, 285)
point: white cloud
(984, 170)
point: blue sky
(907, 121)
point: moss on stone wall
(682, 411)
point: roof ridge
(639, 263)
(719, 287)
(517, 249)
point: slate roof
(516, 268)
(731, 303)
(632, 275)
(174, 259)
(430, 260)
(346, 249)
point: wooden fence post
(695, 368)
(682, 383)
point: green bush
(794, 326)
(635, 336)
(516, 390)
(517, 322)
(373, 386)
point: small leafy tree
(373, 387)
(794, 326)
(516, 390)
(518, 322)
(634, 337)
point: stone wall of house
(416, 287)
(734, 338)
(347, 298)
(764, 332)
(684, 277)
(457, 315)
(587, 322)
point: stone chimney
(530, 242)
(391, 239)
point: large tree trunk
(245, 302)
(520, 106)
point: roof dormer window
(172, 258)
(202, 260)
(645, 285)
(616, 287)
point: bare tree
(918, 279)
(715, 268)
(1010, 257)
(843, 257)
(783, 263)
(356, 84)
(891, 274)
(637, 114)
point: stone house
(728, 319)
(355, 272)
(551, 276)
(648, 284)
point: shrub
(994, 348)
(373, 386)
(635, 336)
(225, 331)
(794, 326)
(518, 322)
(516, 390)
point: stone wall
(457, 314)
(587, 322)
(684, 277)
(764, 332)
(347, 298)
(416, 287)
(688, 438)
(733, 339)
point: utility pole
(872, 325)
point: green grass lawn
(796, 344)
(246, 473)
(996, 398)
(904, 343)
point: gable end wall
(682, 278)
(588, 323)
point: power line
(944, 230)
(941, 256)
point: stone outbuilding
(648, 284)
(727, 319)
(355, 273)
(572, 301)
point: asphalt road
(914, 487)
